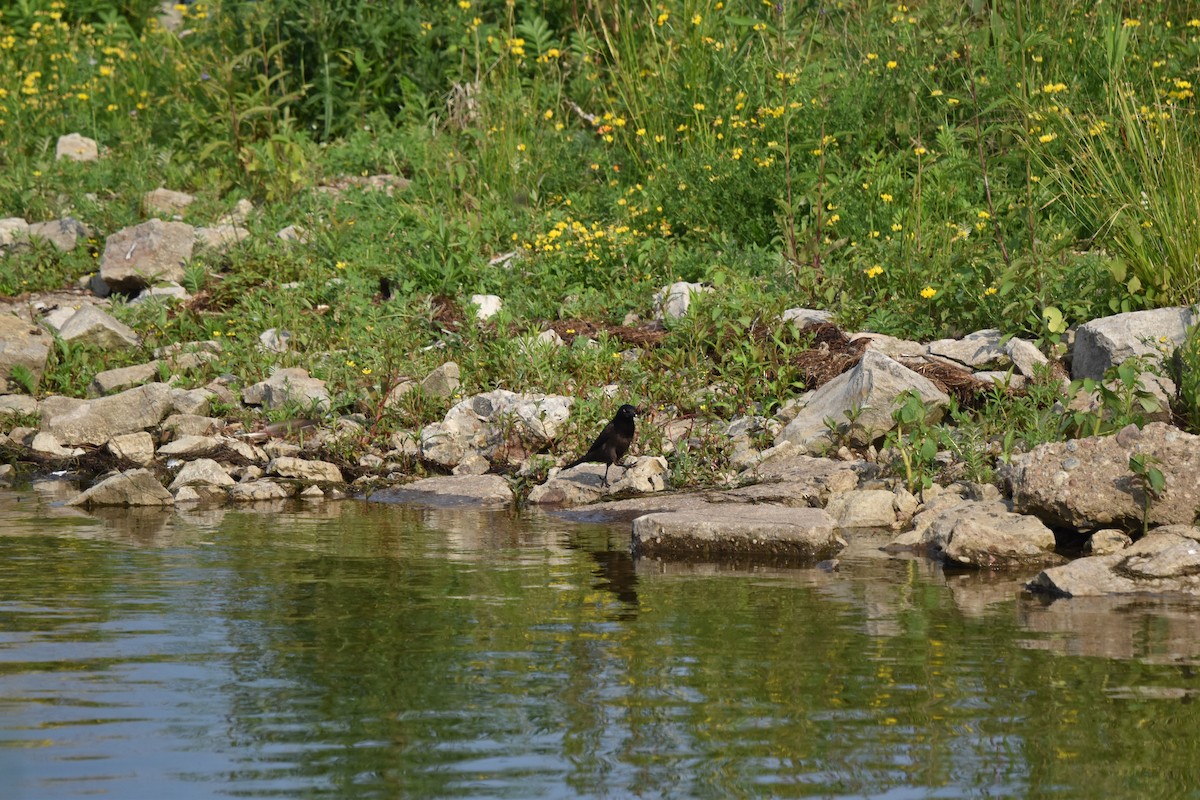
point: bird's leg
(606, 468)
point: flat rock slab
(451, 490)
(76, 421)
(135, 487)
(1165, 561)
(738, 531)
(136, 257)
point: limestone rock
(137, 257)
(135, 447)
(673, 302)
(975, 350)
(179, 425)
(135, 487)
(498, 425)
(871, 387)
(486, 305)
(305, 470)
(191, 401)
(12, 229)
(739, 531)
(166, 201)
(1086, 484)
(1026, 357)
(1106, 542)
(221, 237)
(191, 446)
(863, 508)
(1106, 342)
(111, 380)
(443, 381)
(90, 325)
(76, 147)
(65, 234)
(890, 346)
(287, 385)
(1166, 560)
(803, 317)
(451, 490)
(24, 345)
(585, 483)
(255, 491)
(79, 422)
(201, 471)
(17, 404)
(795, 479)
(45, 444)
(988, 536)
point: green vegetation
(919, 170)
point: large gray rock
(1165, 560)
(451, 490)
(796, 480)
(21, 344)
(46, 445)
(203, 471)
(136, 447)
(136, 257)
(585, 483)
(166, 201)
(76, 147)
(305, 470)
(92, 326)
(221, 237)
(112, 380)
(1106, 342)
(498, 425)
(975, 350)
(17, 404)
(65, 234)
(135, 487)
(871, 387)
(738, 531)
(1086, 484)
(803, 317)
(78, 422)
(12, 229)
(192, 446)
(293, 385)
(988, 536)
(864, 508)
(256, 491)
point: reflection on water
(368, 650)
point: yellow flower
(990, 291)
(928, 292)
(885, 197)
(548, 115)
(340, 265)
(464, 4)
(1045, 138)
(521, 147)
(920, 150)
(698, 106)
(366, 371)
(662, 18)
(983, 215)
(873, 271)
(872, 56)
(897, 227)
(1132, 23)
(697, 19)
(892, 65)
(936, 93)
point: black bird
(612, 443)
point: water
(360, 650)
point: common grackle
(612, 443)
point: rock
(403, 386)
(166, 201)
(863, 508)
(179, 425)
(795, 479)
(45, 444)
(285, 386)
(221, 237)
(988, 536)
(1106, 342)
(443, 381)
(890, 346)
(275, 341)
(192, 446)
(1106, 542)
(305, 470)
(200, 493)
(258, 490)
(1026, 357)
(191, 401)
(473, 464)
(498, 425)
(78, 422)
(975, 350)
(201, 471)
(759, 531)
(585, 483)
(872, 387)
(451, 490)
(135, 447)
(293, 233)
(238, 215)
(486, 305)
(137, 257)
(12, 230)
(65, 234)
(1166, 560)
(803, 317)
(672, 302)
(76, 147)
(135, 487)
(17, 405)
(92, 326)
(1086, 484)
(22, 345)
(112, 380)
(165, 291)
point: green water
(361, 650)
